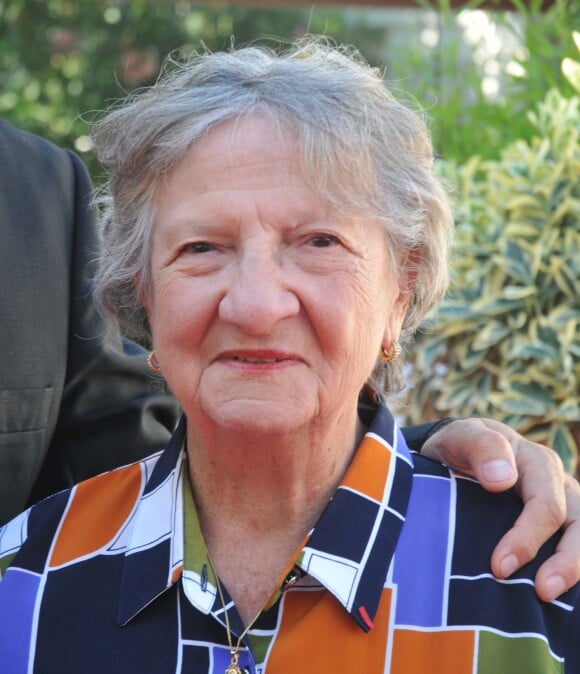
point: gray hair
(359, 147)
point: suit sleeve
(416, 436)
(113, 410)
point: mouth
(250, 359)
(258, 357)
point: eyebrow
(208, 222)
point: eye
(197, 247)
(323, 241)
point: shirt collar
(349, 550)
(154, 539)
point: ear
(407, 281)
(396, 318)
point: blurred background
(500, 84)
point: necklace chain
(233, 667)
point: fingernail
(508, 565)
(497, 471)
(555, 585)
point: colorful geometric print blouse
(112, 577)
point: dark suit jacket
(74, 401)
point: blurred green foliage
(505, 343)
(465, 120)
(60, 60)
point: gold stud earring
(392, 353)
(153, 363)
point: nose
(258, 296)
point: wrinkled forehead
(337, 168)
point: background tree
(60, 60)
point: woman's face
(268, 307)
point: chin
(265, 417)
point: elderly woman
(297, 236)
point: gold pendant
(233, 668)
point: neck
(258, 497)
(264, 480)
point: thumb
(480, 448)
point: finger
(521, 543)
(476, 448)
(541, 488)
(561, 571)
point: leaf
(472, 358)
(458, 328)
(569, 410)
(428, 350)
(519, 293)
(454, 398)
(561, 315)
(540, 376)
(514, 404)
(564, 208)
(509, 405)
(562, 441)
(516, 262)
(533, 391)
(517, 320)
(524, 201)
(484, 385)
(571, 71)
(567, 280)
(490, 335)
(529, 399)
(456, 310)
(529, 350)
(496, 306)
(519, 229)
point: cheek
(371, 304)
(180, 313)
(351, 324)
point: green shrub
(506, 341)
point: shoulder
(470, 502)
(477, 518)
(37, 164)
(27, 145)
